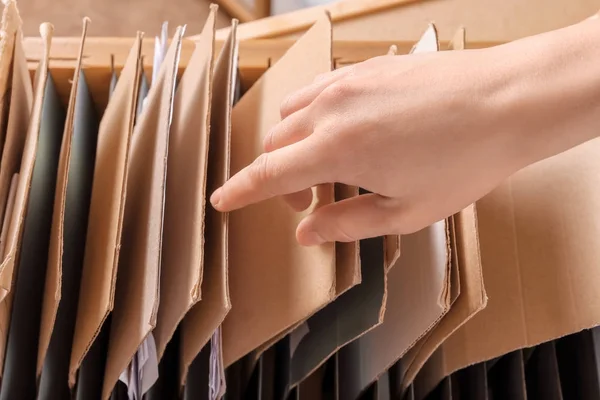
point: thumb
(360, 217)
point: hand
(427, 134)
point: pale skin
(426, 134)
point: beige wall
(115, 17)
(485, 20)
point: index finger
(286, 170)
(306, 95)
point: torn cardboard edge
(52, 291)
(347, 254)
(18, 113)
(11, 27)
(203, 319)
(99, 272)
(286, 314)
(458, 40)
(184, 225)
(11, 33)
(139, 280)
(10, 203)
(13, 244)
(471, 300)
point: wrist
(547, 91)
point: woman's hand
(427, 134)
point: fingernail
(216, 197)
(313, 239)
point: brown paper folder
(419, 294)
(54, 270)
(63, 282)
(11, 34)
(539, 260)
(351, 315)
(184, 227)
(137, 297)
(471, 300)
(10, 203)
(204, 318)
(15, 132)
(15, 230)
(275, 283)
(18, 107)
(412, 309)
(102, 247)
(18, 111)
(347, 255)
(29, 277)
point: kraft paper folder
(119, 280)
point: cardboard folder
(30, 272)
(206, 316)
(351, 315)
(11, 28)
(16, 224)
(15, 105)
(183, 245)
(107, 205)
(17, 110)
(91, 371)
(67, 243)
(337, 324)
(535, 249)
(412, 309)
(137, 297)
(274, 282)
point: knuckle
(337, 91)
(342, 234)
(269, 141)
(261, 171)
(263, 174)
(396, 221)
(405, 221)
(322, 76)
(287, 105)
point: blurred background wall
(485, 20)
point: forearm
(548, 89)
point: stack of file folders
(119, 280)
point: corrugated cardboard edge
(10, 203)
(111, 376)
(25, 177)
(214, 8)
(454, 265)
(324, 193)
(428, 43)
(458, 40)
(195, 295)
(17, 125)
(378, 323)
(76, 359)
(10, 28)
(472, 290)
(390, 254)
(6, 304)
(189, 354)
(52, 291)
